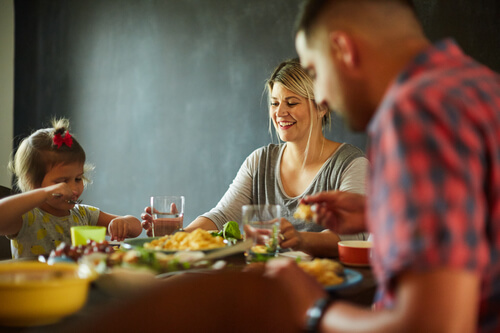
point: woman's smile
(284, 125)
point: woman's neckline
(320, 170)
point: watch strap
(315, 314)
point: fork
(74, 202)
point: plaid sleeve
(427, 186)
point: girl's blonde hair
(38, 153)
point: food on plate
(259, 249)
(22, 275)
(67, 252)
(101, 258)
(140, 259)
(304, 212)
(230, 232)
(199, 239)
(326, 271)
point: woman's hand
(289, 236)
(341, 212)
(118, 229)
(147, 221)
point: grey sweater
(258, 182)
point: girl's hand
(289, 236)
(118, 229)
(147, 220)
(59, 192)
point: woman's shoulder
(345, 155)
(263, 156)
(272, 150)
(349, 150)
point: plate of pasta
(331, 274)
(198, 240)
(351, 278)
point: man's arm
(442, 301)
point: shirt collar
(437, 54)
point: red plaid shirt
(434, 197)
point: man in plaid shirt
(433, 203)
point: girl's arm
(13, 207)
(120, 227)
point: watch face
(315, 313)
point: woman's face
(291, 114)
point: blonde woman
(305, 163)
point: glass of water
(168, 214)
(262, 224)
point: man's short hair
(310, 10)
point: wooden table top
(100, 301)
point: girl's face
(72, 175)
(291, 114)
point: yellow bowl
(34, 293)
(81, 234)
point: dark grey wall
(474, 24)
(166, 96)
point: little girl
(50, 169)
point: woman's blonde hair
(294, 77)
(39, 153)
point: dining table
(101, 299)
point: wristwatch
(315, 313)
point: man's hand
(341, 212)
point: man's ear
(343, 49)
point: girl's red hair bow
(59, 139)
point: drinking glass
(262, 224)
(168, 214)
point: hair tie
(66, 139)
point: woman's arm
(201, 222)
(353, 180)
(13, 207)
(354, 177)
(120, 227)
(317, 244)
(238, 194)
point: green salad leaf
(230, 232)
